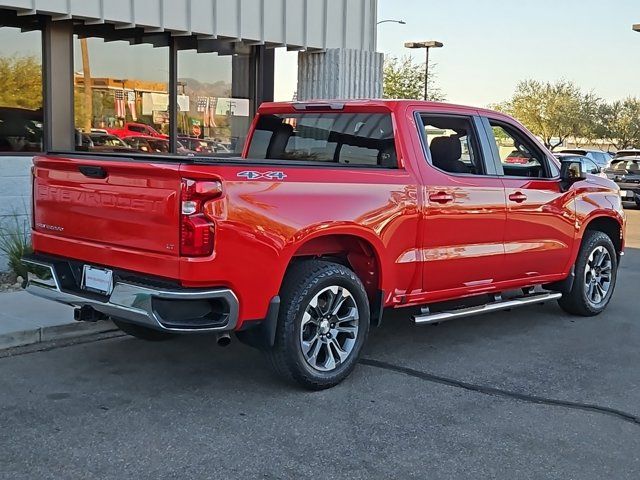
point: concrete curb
(57, 332)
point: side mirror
(571, 172)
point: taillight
(33, 198)
(196, 230)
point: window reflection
(21, 114)
(121, 97)
(213, 119)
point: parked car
(136, 130)
(625, 171)
(588, 165)
(200, 146)
(108, 143)
(222, 148)
(20, 130)
(627, 153)
(334, 212)
(517, 158)
(83, 141)
(155, 145)
(602, 158)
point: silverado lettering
(95, 199)
(333, 213)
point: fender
(594, 216)
(349, 230)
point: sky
(490, 45)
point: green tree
(20, 82)
(404, 79)
(619, 123)
(554, 111)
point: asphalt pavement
(527, 394)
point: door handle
(441, 197)
(517, 197)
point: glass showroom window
(121, 96)
(21, 113)
(213, 104)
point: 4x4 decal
(253, 175)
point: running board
(427, 318)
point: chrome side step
(427, 318)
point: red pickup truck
(334, 212)
(136, 130)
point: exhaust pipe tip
(223, 339)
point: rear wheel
(596, 273)
(143, 333)
(322, 325)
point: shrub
(15, 242)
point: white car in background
(602, 158)
(588, 165)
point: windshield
(631, 166)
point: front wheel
(322, 325)
(596, 273)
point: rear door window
(452, 144)
(357, 139)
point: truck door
(465, 213)
(540, 228)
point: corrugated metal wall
(297, 24)
(340, 73)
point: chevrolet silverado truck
(334, 212)
(132, 129)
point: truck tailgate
(115, 202)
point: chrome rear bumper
(133, 303)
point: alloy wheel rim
(329, 328)
(597, 275)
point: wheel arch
(362, 252)
(608, 225)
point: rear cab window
(349, 139)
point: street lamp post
(427, 46)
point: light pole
(401, 22)
(427, 46)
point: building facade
(162, 76)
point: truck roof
(387, 104)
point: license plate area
(97, 280)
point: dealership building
(165, 76)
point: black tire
(303, 284)
(578, 301)
(143, 333)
